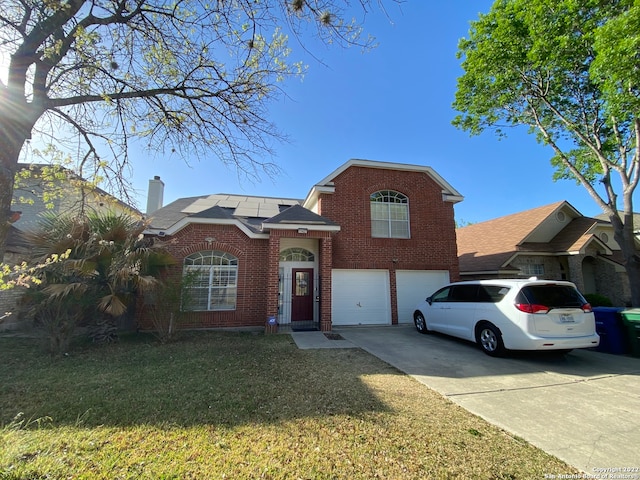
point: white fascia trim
(296, 226)
(176, 227)
(447, 189)
(312, 198)
(452, 198)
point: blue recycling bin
(611, 329)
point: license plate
(566, 318)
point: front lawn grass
(238, 405)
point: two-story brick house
(368, 242)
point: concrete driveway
(583, 407)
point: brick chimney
(155, 194)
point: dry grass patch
(226, 405)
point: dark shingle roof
(487, 246)
(252, 212)
(214, 212)
(171, 213)
(299, 214)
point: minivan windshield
(553, 296)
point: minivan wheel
(490, 340)
(420, 322)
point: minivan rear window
(492, 293)
(552, 296)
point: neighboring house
(369, 242)
(52, 188)
(636, 222)
(47, 188)
(55, 189)
(554, 242)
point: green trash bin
(631, 321)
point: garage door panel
(360, 297)
(413, 286)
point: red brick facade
(253, 275)
(431, 246)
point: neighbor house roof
(38, 167)
(636, 220)
(557, 228)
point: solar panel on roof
(263, 207)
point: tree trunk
(624, 236)
(9, 153)
(6, 193)
(633, 272)
(16, 120)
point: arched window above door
(296, 254)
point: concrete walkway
(583, 407)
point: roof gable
(299, 217)
(214, 212)
(326, 185)
(299, 214)
(503, 234)
(558, 216)
(553, 229)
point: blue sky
(390, 104)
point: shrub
(108, 262)
(163, 306)
(597, 300)
(57, 318)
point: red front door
(302, 294)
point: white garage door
(413, 286)
(360, 297)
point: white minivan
(511, 314)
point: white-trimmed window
(213, 280)
(531, 269)
(389, 215)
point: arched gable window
(296, 255)
(212, 282)
(389, 215)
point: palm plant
(109, 262)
